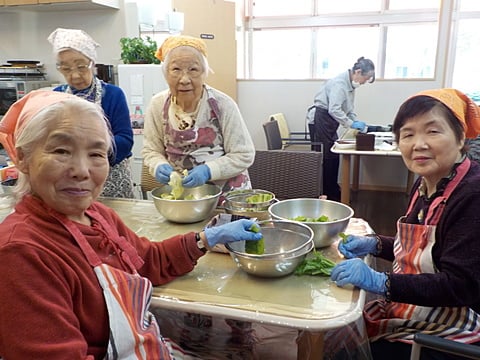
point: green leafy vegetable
(317, 265)
(321, 218)
(255, 246)
(176, 185)
(343, 236)
(259, 198)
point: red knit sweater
(51, 304)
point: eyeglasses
(80, 69)
(191, 73)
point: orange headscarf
(180, 40)
(21, 112)
(464, 108)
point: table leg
(310, 345)
(356, 172)
(345, 179)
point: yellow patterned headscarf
(464, 108)
(180, 40)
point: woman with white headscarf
(76, 54)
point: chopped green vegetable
(255, 246)
(321, 218)
(343, 236)
(259, 198)
(317, 265)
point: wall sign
(207, 36)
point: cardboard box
(365, 142)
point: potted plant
(137, 50)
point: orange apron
(413, 255)
(134, 332)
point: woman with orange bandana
(193, 126)
(434, 283)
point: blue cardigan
(115, 107)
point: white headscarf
(63, 39)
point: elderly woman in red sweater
(76, 280)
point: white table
(216, 287)
(347, 154)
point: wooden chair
(288, 174)
(147, 182)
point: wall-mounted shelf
(58, 5)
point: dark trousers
(324, 130)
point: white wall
(375, 104)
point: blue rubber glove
(357, 273)
(199, 175)
(233, 231)
(358, 125)
(163, 172)
(355, 246)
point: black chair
(288, 174)
(276, 142)
(443, 345)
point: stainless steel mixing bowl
(187, 211)
(324, 233)
(286, 245)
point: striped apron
(413, 255)
(134, 332)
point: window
(466, 53)
(318, 39)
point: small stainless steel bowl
(286, 245)
(324, 233)
(236, 203)
(187, 211)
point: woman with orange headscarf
(193, 126)
(434, 283)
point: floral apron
(134, 332)
(188, 148)
(399, 321)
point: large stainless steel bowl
(187, 211)
(324, 233)
(286, 245)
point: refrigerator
(139, 82)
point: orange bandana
(464, 108)
(180, 40)
(21, 112)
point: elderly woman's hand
(357, 273)
(163, 173)
(199, 175)
(233, 231)
(354, 246)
